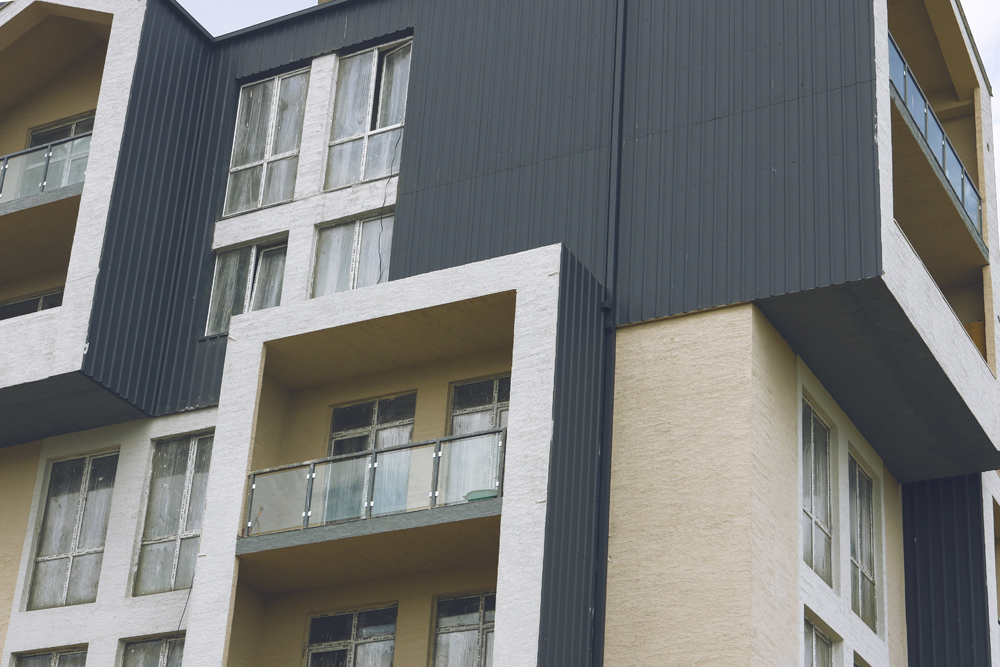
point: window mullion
(251, 273)
(368, 118)
(77, 526)
(356, 254)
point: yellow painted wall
(18, 466)
(72, 93)
(295, 426)
(273, 629)
(703, 535)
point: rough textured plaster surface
(17, 475)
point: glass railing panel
(917, 105)
(278, 500)
(897, 68)
(404, 480)
(469, 469)
(340, 490)
(935, 138)
(44, 168)
(953, 168)
(971, 200)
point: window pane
(343, 164)
(51, 301)
(60, 507)
(397, 409)
(44, 660)
(821, 461)
(327, 629)
(393, 436)
(83, 579)
(824, 652)
(489, 649)
(244, 190)
(350, 107)
(84, 126)
(280, 182)
(291, 106)
(175, 653)
(822, 555)
(376, 622)
(333, 259)
(98, 503)
(166, 488)
(73, 659)
(458, 612)
(855, 589)
(339, 490)
(374, 654)
(808, 645)
(353, 417)
(395, 78)
(143, 654)
(489, 608)
(868, 602)
(48, 136)
(376, 245)
(472, 422)
(196, 505)
(341, 446)
(329, 659)
(186, 562)
(852, 481)
(229, 290)
(48, 584)
(503, 389)
(156, 564)
(270, 276)
(866, 551)
(251, 125)
(384, 152)
(807, 464)
(807, 546)
(456, 649)
(472, 395)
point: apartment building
(463, 333)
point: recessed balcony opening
(50, 96)
(935, 199)
(35, 245)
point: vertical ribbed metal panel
(947, 613)
(570, 571)
(157, 246)
(748, 157)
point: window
(63, 129)
(862, 543)
(172, 531)
(353, 255)
(32, 305)
(480, 406)
(74, 658)
(71, 543)
(818, 649)
(464, 635)
(266, 144)
(817, 526)
(164, 652)
(373, 425)
(368, 111)
(355, 639)
(246, 279)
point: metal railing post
(307, 512)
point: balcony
(393, 480)
(44, 168)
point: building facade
(461, 333)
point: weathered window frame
(75, 551)
(168, 648)
(811, 515)
(182, 533)
(483, 627)
(374, 109)
(80, 124)
(357, 241)
(814, 638)
(55, 657)
(269, 158)
(45, 301)
(500, 408)
(372, 429)
(858, 477)
(250, 283)
(350, 645)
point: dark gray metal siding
(947, 614)
(748, 159)
(572, 537)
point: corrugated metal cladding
(947, 613)
(570, 570)
(748, 157)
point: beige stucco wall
(17, 480)
(895, 580)
(703, 535)
(73, 92)
(295, 426)
(273, 629)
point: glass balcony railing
(42, 168)
(933, 133)
(418, 476)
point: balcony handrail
(947, 146)
(286, 498)
(46, 148)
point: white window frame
(54, 662)
(166, 644)
(381, 51)
(81, 507)
(268, 144)
(355, 250)
(816, 520)
(182, 534)
(829, 607)
(250, 293)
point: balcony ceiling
(931, 39)
(36, 46)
